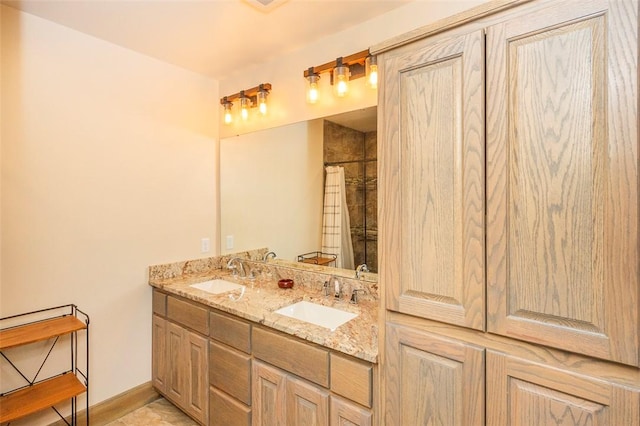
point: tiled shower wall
(356, 152)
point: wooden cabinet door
(196, 368)
(432, 380)
(176, 377)
(306, 404)
(562, 178)
(432, 180)
(268, 395)
(346, 413)
(159, 353)
(527, 393)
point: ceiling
(210, 37)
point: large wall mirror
(272, 186)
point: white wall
(109, 165)
(270, 181)
(287, 101)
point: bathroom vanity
(229, 359)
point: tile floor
(158, 413)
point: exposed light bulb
(371, 69)
(228, 116)
(312, 93)
(262, 100)
(342, 88)
(244, 106)
(341, 79)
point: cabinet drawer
(347, 413)
(233, 332)
(226, 411)
(302, 359)
(230, 371)
(188, 314)
(159, 303)
(352, 379)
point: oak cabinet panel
(230, 371)
(176, 377)
(303, 359)
(159, 358)
(562, 179)
(230, 331)
(346, 413)
(280, 398)
(268, 395)
(352, 379)
(180, 365)
(432, 217)
(188, 314)
(226, 411)
(159, 303)
(196, 368)
(432, 380)
(527, 393)
(306, 404)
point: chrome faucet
(354, 295)
(360, 269)
(238, 268)
(270, 255)
(333, 285)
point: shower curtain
(336, 227)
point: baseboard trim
(117, 406)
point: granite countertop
(262, 296)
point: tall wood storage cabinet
(509, 242)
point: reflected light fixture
(245, 104)
(254, 97)
(341, 71)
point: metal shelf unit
(39, 394)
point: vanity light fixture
(341, 71)
(246, 99)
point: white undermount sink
(217, 286)
(324, 316)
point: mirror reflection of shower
(356, 151)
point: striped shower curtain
(336, 227)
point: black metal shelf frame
(82, 375)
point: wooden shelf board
(39, 396)
(42, 330)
